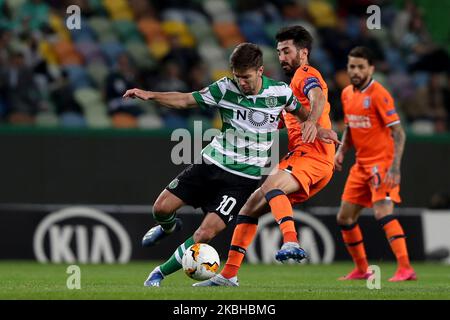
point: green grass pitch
(30, 280)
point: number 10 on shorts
(226, 205)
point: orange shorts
(312, 172)
(365, 186)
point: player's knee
(160, 208)
(380, 214)
(382, 209)
(266, 188)
(344, 219)
(204, 235)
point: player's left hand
(309, 131)
(392, 178)
(328, 136)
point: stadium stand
(168, 41)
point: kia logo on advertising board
(314, 237)
(81, 235)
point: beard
(358, 82)
(290, 68)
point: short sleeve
(384, 104)
(292, 104)
(309, 83)
(211, 95)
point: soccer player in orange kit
(373, 128)
(306, 169)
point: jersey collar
(365, 87)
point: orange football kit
(368, 114)
(310, 163)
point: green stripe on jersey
(230, 164)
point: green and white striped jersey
(243, 147)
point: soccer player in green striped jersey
(232, 164)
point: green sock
(166, 222)
(174, 262)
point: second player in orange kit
(373, 128)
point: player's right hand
(338, 160)
(309, 131)
(137, 93)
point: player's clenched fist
(138, 93)
(338, 160)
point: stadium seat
(173, 14)
(322, 13)
(78, 76)
(72, 120)
(59, 26)
(46, 119)
(174, 121)
(98, 73)
(118, 9)
(127, 31)
(91, 52)
(97, 7)
(140, 54)
(219, 10)
(84, 34)
(103, 29)
(94, 109)
(179, 29)
(228, 34)
(112, 50)
(123, 120)
(15, 5)
(159, 48)
(202, 33)
(150, 28)
(47, 52)
(220, 73)
(149, 121)
(67, 54)
(253, 32)
(213, 55)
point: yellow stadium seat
(159, 48)
(219, 74)
(60, 28)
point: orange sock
(243, 236)
(282, 212)
(355, 246)
(396, 237)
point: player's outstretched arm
(343, 148)
(393, 175)
(174, 100)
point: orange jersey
(369, 113)
(305, 79)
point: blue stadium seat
(91, 52)
(112, 50)
(72, 120)
(78, 77)
(84, 34)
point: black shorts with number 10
(213, 189)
